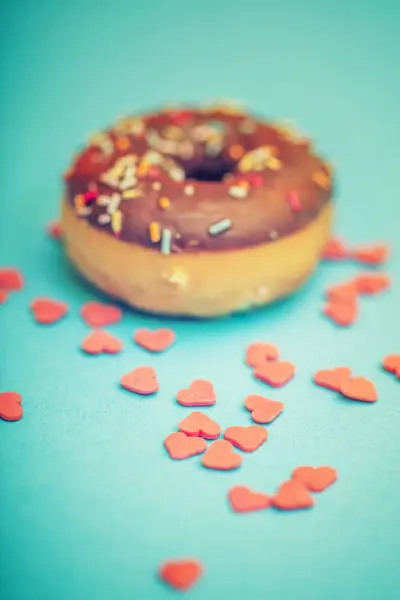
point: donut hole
(211, 172)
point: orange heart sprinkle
(292, 495)
(259, 352)
(359, 388)
(96, 314)
(247, 439)
(243, 499)
(275, 374)
(100, 341)
(221, 456)
(142, 380)
(315, 479)
(10, 406)
(263, 410)
(200, 393)
(180, 446)
(374, 254)
(181, 574)
(332, 378)
(199, 424)
(47, 311)
(154, 341)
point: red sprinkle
(343, 293)
(292, 495)
(315, 479)
(54, 230)
(10, 406)
(99, 341)
(374, 254)
(47, 311)
(3, 296)
(181, 574)
(247, 439)
(221, 456)
(89, 197)
(262, 409)
(243, 499)
(335, 249)
(142, 380)
(372, 283)
(275, 374)
(391, 363)
(96, 314)
(11, 279)
(341, 314)
(154, 341)
(359, 388)
(180, 446)
(200, 393)
(199, 424)
(293, 200)
(259, 352)
(332, 378)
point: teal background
(90, 504)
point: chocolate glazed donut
(197, 212)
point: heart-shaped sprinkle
(263, 410)
(96, 314)
(100, 341)
(335, 249)
(332, 378)
(372, 283)
(142, 380)
(10, 406)
(391, 363)
(154, 341)
(243, 499)
(180, 445)
(11, 279)
(221, 456)
(199, 424)
(341, 314)
(374, 254)
(343, 293)
(247, 439)
(292, 495)
(200, 393)
(359, 388)
(47, 311)
(259, 352)
(275, 374)
(181, 574)
(54, 230)
(315, 479)
(3, 296)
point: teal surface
(90, 503)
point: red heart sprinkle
(200, 393)
(292, 495)
(391, 363)
(343, 293)
(10, 406)
(315, 479)
(54, 230)
(96, 314)
(221, 456)
(276, 374)
(359, 388)
(180, 446)
(47, 311)
(243, 499)
(247, 439)
(341, 314)
(263, 410)
(11, 279)
(374, 254)
(332, 378)
(154, 341)
(199, 424)
(101, 341)
(259, 352)
(142, 380)
(335, 249)
(181, 574)
(372, 283)
(3, 296)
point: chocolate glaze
(256, 197)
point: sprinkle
(103, 200)
(164, 202)
(177, 277)
(322, 179)
(247, 126)
(113, 203)
(122, 143)
(172, 132)
(104, 219)
(154, 232)
(236, 151)
(273, 235)
(294, 201)
(189, 190)
(177, 174)
(156, 185)
(186, 149)
(166, 241)
(220, 227)
(47, 311)
(143, 169)
(116, 222)
(274, 163)
(238, 191)
(131, 193)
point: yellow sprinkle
(236, 151)
(154, 230)
(244, 184)
(123, 143)
(143, 169)
(116, 221)
(164, 202)
(274, 163)
(246, 163)
(322, 179)
(131, 193)
(79, 201)
(178, 277)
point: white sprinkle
(220, 227)
(109, 180)
(273, 234)
(84, 211)
(104, 219)
(177, 174)
(128, 181)
(238, 191)
(177, 277)
(189, 190)
(166, 241)
(262, 291)
(113, 204)
(156, 185)
(103, 200)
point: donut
(197, 212)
